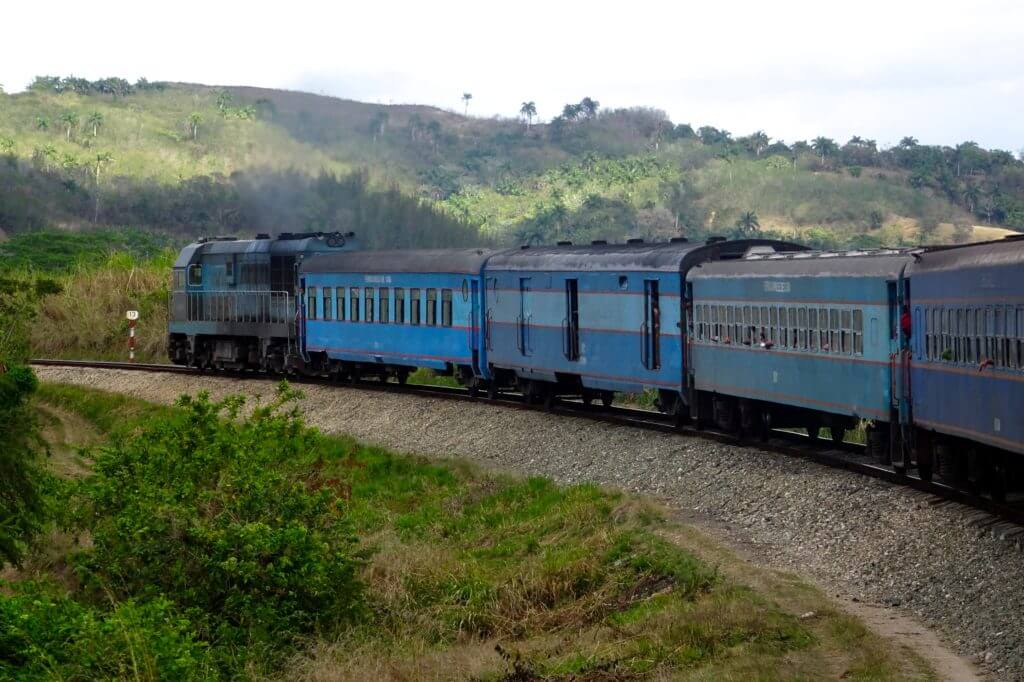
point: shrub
(217, 514)
(42, 636)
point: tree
(757, 142)
(6, 145)
(42, 123)
(571, 112)
(748, 223)
(95, 120)
(589, 107)
(102, 159)
(466, 96)
(70, 121)
(378, 124)
(194, 119)
(224, 100)
(823, 147)
(529, 110)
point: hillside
(191, 159)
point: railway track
(1003, 519)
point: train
(921, 348)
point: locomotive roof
(667, 256)
(462, 261)
(285, 245)
(862, 263)
(1002, 252)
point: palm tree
(101, 160)
(49, 156)
(466, 96)
(70, 121)
(194, 119)
(379, 124)
(759, 142)
(748, 223)
(570, 112)
(42, 123)
(529, 110)
(95, 120)
(824, 146)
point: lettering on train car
(777, 287)
(377, 279)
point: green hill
(190, 159)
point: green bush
(217, 514)
(49, 637)
(21, 505)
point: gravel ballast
(860, 538)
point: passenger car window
(446, 307)
(414, 306)
(368, 304)
(328, 305)
(353, 303)
(432, 307)
(384, 299)
(340, 294)
(399, 305)
(311, 303)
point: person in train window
(905, 325)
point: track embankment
(862, 539)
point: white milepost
(132, 316)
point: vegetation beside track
(370, 563)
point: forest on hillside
(191, 159)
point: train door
(474, 323)
(650, 337)
(525, 314)
(571, 325)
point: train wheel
(492, 391)
(402, 376)
(549, 400)
(837, 433)
(925, 462)
(813, 428)
(607, 397)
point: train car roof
(862, 263)
(1002, 252)
(637, 256)
(461, 261)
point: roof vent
(678, 240)
(204, 240)
(600, 242)
(715, 240)
(262, 235)
(635, 240)
(563, 243)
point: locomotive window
(432, 307)
(353, 303)
(195, 275)
(368, 304)
(328, 306)
(446, 307)
(414, 306)
(311, 304)
(384, 298)
(229, 270)
(399, 305)
(339, 294)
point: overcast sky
(940, 70)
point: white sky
(943, 71)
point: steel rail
(823, 451)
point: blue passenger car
(802, 339)
(386, 313)
(591, 320)
(968, 345)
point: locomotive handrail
(232, 306)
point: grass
(484, 576)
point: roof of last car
(865, 263)
(1002, 252)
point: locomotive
(924, 347)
